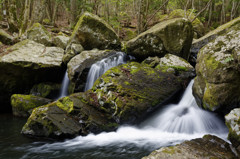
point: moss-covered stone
(5, 38)
(39, 34)
(208, 147)
(22, 105)
(61, 41)
(46, 90)
(233, 124)
(71, 51)
(159, 40)
(93, 32)
(216, 87)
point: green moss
(169, 150)
(209, 98)
(66, 104)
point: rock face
(83, 61)
(25, 64)
(22, 105)
(5, 38)
(199, 43)
(93, 32)
(208, 147)
(159, 41)
(46, 90)
(124, 94)
(232, 122)
(39, 34)
(71, 51)
(61, 41)
(216, 87)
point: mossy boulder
(199, 43)
(39, 34)
(198, 27)
(93, 32)
(208, 147)
(22, 105)
(46, 90)
(216, 87)
(233, 123)
(172, 36)
(61, 41)
(25, 64)
(124, 94)
(5, 38)
(71, 51)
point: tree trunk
(73, 8)
(38, 12)
(26, 17)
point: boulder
(216, 87)
(208, 147)
(25, 64)
(123, 95)
(199, 43)
(233, 123)
(93, 32)
(61, 41)
(46, 90)
(159, 40)
(5, 38)
(39, 34)
(22, 105)
(79, 66)
(71, 51)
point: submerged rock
(71, 51)
(172, 36)
(25, 64)
(199, 43)
(208, 147)
(93, 32)
(5, 38)
(233, 124)
(124, 94)
(216, 87)
(39, 34)
(22, 105)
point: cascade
(64, 88)
(102, 66)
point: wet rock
(232, 122)
(93, 32)
(158, 40)
(46, 90)
(61, 41)
(25, 64)
(22, 105)
(39, 34)
(5, 38)
(71, 51)
(216, 87)
(208, 147)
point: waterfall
(102, 66)
(169, 126)
(64, 88)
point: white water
(102, 66)
(172, 125)
(64, 88)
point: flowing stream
(64, 88)
(171, 125)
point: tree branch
(209, 2)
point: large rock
(216, 87)
(71, 51)
(124, 94)
(61, 41)
(172, 36)
(233, 124)
(5, 38)
(84, 61)
(22, 105)
(39, 34)
(199, 43)
(208, 147)
(46, 90)
(25, 64)
(93, 32)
